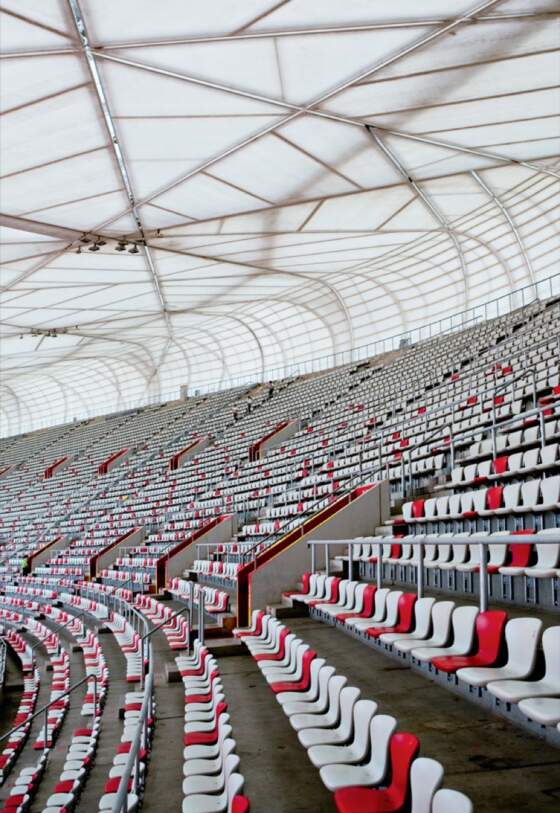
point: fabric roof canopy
(300, 177)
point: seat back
(370, 600)
(404, 748)
(423, 615)
(364, 710)
(550, 490)
(381, 729)
(336, 685)
(522, 638)
(548, 555)
(551, 648)
(494, 497)
(459, 554)
(349, 696)
(426, 775)
(490, 630)
(463, 621)
(530, 493)
(406, 611)
(380, 602)
(520, 555)
(392, 607)
(451, 801)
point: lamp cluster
(94, 243)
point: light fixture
(121, 246)
(79, 251)
(101, 242)
(84, 238)
(94, 247)
(134, 249)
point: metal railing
(3, 654)
(482, 541)
(45, 709)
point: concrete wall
(280, 437)
(184, 559)
(48, 551)
(283, 571)
(109, 557)
(193, 450)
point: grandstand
(280, 376)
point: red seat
(367, 611)
(500, 464)
(300, 685)
(490, 630)
(240, 805)
(418, 509)
(206, 737)
(494, 497)
(403, 748)
(277, 656)
(305, 585)
(333, 595)
(255, 632)
(405, 617)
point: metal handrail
(45, 708)
(163, 623)
(120, 804)
(483, 542)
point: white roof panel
(258, 179)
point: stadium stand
(280, 407)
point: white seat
(522, 637)
(317, 669)
(380, 599)
(548, 559)
(451, 801)
(463, 621)
(332, 728)
(317, 706)
(422, 616)
(543, 710)
(441, 624)
(354, 752)
(512, 691)
(426, 776)
(202, 783)
(373, 772)
(205, 803)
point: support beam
(117, 150)
(432, 208)
(509, 219)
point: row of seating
(503, 558)
(31, 684)
(176, 630)
(212, 783)
(361, 757)
(452, 639)
(216, 601)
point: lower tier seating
(361, 757)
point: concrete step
(297, 610)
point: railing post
(46, 734)
(313, 559)
(327, 562)
(201, 617)
(420, 571)
(483, 574)
(542, 428)
(350, 561)
(379, 571)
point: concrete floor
(499, 766)
(278, 775)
